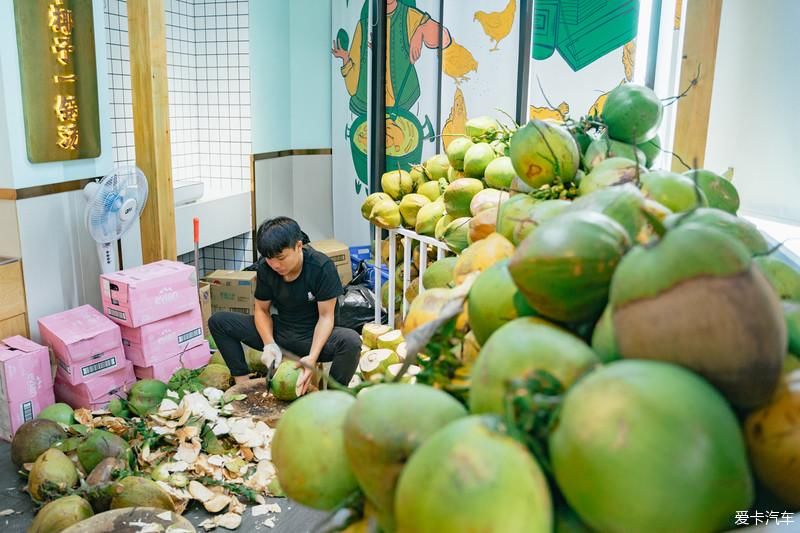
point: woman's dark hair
(277, 234)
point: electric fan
(113, 205)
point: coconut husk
(133, 520)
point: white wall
(299, 187)
(59, 258)
(9, 236)
(754, 106)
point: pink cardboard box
(146, 294)
(157, 341)
(97, 392)
(15, 413)
(24, 369)
(86, 343)
(163, 370)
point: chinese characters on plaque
(55, 41)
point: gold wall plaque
(55, 42)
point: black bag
(356, 306)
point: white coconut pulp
(401, 351)
(376, 361)
(391, 340)
(371, 332)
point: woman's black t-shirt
(296, 301)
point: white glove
(271, 355)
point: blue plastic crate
(358, 254)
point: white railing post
(376, 287)
(423, 264)
(407, 255)
(392, 268)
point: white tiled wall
(208, 65)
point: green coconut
(418, 175)
(410, 206)
(459, 194)
(471, 476)
(603, 148)
(390, 340)
(519, 349)
(397, 183)
(284, 383)
(477, 159)
(479, 256)
(500, 173)
(513, 213)
(441, 225)
(542, 152)
(386, 214)
(604, 343)
(719, 191)
(623, 203)
(487, 199)
(453, 175)
(456, 151)
(624, 435)
(456, 234)
(216, 376)
(651, 150)
(696, 300)
(439, 274)
(436, 166)
(610, 172)
(217, 359)
(428, 216)
(212, 343)
(481, 128)
(791, 312)
(540, 212)
(33, 438)
(564, 268)
(384, 427)
(253, 359)
(375, 362)
(672, 190)
(119, 407)
(134, 491)
(520, 187)
(58, 412)
(100, 444)
(632, 113)
(145, 396)
(500, 147)
(732, 225)
(308, 451)
(54, 468)
(783, 278)
(493, 301)
(59, 514)
(370, 201)
(371, 332)
(432, 189)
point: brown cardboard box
(232, 290)
(12, 288)
(204, 290)
(339, 253)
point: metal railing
(408, 237)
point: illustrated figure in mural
(497, 25)
(457, 62)
(409, 32)
(456, 123)
(548, 113)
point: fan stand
(107, 256)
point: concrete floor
(293, 518)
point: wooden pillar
(148, 46)
(700, 39)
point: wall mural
(581, 50)
(485, 45)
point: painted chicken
(457, 62)
(546, 113)
(456, 123)
(497, 24)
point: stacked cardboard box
(232, 290)
(339, 253)
(91, 364)
(159, 316)
(26, 383)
